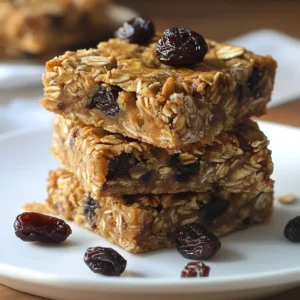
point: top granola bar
(124, 88)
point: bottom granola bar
(142, 223)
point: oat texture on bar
(142, 223)
(104, 162)
(123, 88)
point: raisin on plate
(105, 261)
(195, 269)
(193, 241)
(36, 227)
(292, 230)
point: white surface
(24, 113)
(252, 263)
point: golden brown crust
(159, 104)
(143, 223)
(110, 163)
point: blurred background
(219, 19)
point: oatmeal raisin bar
(30, 28)
(123, 88)
(107, 163)
(141, 223)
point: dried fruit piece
(292, 230)
(195, 269)
(254, 82)
(36, 227)
(193, 241)
(105, 99)
(184, 172)
(181, 47)
(138, 30)
(215, 208)
(89, 209)
(105, 261)
(118, 166)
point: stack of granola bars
(146, 147)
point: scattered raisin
(254, 82)
(118, 166)
(184, 172)
(181, 47)
(89, 210)
(193, 241)
(195, 269)
(292, 230)
(215, 208)
(105, 261)
(36, 227)
(138, 30)
(105, 99)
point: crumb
(35, 206)
(287, 199)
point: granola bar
(238, 161)
(142, 223)
(156, 103)
(35, 28)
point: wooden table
(221, 20)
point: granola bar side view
(124, 88)
(107, 163)
(142, 223)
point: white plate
(251, 263)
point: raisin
(254, 81)
(159, 208)
(56, 20)
(195, 269)
(89, 210)
(184, 172)
(215, 208)
(181, 47)
(131, 199)
(118, 166)
(247, 221)
(292, 230)
(138, 30)
(146, 177)
(239, 93)
(36, 227)
(193, 241)
(105, 261)
(105, 99)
